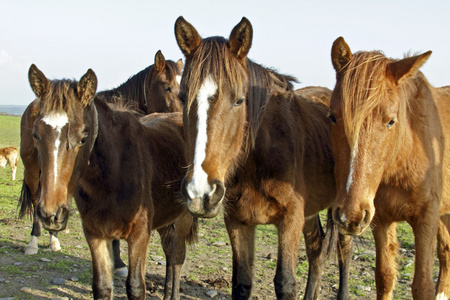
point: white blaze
(352, 164)
(57, 121)
(199, 185)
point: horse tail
(330, 241)
(192, 237)
(25, 201)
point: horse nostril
(337, 216)
(366, 218)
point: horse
(390, 140)
(154, 89)
(259, 149)
(10, 156)
(123, 174)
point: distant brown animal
(391, 143)
(9, 155)
(261, 150)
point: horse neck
(133, 90)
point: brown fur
(270, 152)
(124, 176)
(394, 121)
(154, 89)
(10, 156)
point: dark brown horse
(391, 141)
(123, 175)
(257, 147)
(154, 89)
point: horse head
(64, 132)
(213, 91)
(369, 121)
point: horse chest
(258, 204)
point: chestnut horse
(390, 140)
(154, 89)
(123, 175)
(9, 155)
(257, 147)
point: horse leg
(167, 238)
(137, 254)
(32, 247)
(54, 242)
(425, 231)
(443, 251)
(385, 235)
(289, 234)
(175, 239)
(120, 268)
(345, 246)
(242, 239)
(314, 235)
(101, 252)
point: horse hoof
(122, 272)
(55, 247)
(31, 250)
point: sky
(117, 39)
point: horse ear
(38, 82)
(160, 62)
(340, 54)
(407, 67)
(87, 87)
(240, 39)
(180, 65)
(187, 36)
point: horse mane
(365, 87)
(213, 57)
(55, 98)
(133, 88)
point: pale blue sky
(119, 38)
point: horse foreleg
(32, 247)
(289, 234)
(242, 239)
(167, 238)
(345, 246)
(137, 254)
(101, 252)
(120, 268)
(443, 251)
(425, 231)
(314, 234)
(385, 235)
(54, 242)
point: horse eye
(391, 123)
(332, 117)
(182, 99)
(167, 88)
(240, 101)
(35, 137)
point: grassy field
(207, 267)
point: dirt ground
(207, 268)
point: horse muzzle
(354, 224)
(205, 203)
(53, 219)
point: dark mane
(133, 88)
(55, 98)
(213, 57)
